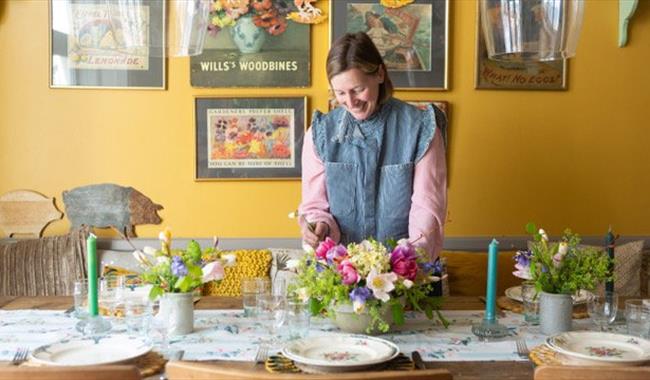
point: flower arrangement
(370, 276)
(267, 14)
(180, 270)
(563, 267)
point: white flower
(563, 248)
(434, 278)
(165, 236)
(543, 234)
(307, 248)
(381, 284)
(163, 260)
(141, 258)
(212, 271)
(229, 260)
(292, 264)
(407, 283)
(358, 306)
(149, 251)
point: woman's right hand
(313, 234)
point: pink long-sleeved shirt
(428, 202)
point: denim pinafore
(369, 167)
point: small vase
(248, 37)
(348, 321)
(555, 313)
(178, 310)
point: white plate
(591, 347)
(89, 351)
(514, 293)
(345, 352)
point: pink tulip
(348, 272)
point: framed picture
(493, 75)
(249, 138)
(413, 39)
(101, 44)
(245, 55)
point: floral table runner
(228, 335)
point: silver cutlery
(522, 348)
(20, 356)
(417, 360)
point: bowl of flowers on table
(366, 287)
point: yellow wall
(566, 158)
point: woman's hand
(313, 234)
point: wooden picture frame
(91, 46)
(496, 75)
(413, 39)
(249, 138)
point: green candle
(91, 248)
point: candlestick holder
(93, 325)
(490, 329)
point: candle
(91, 248)
(609, 243)
(491, 294)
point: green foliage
(566, 267)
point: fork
(20, 356)
(262, 354)
(522, 349)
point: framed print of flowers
(249, 138)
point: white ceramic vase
(178, 310)
(555, 313)
(348, 321)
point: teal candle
(91, 248)
(491, 294)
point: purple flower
(359, 296)
(403, 261)
(428, 267)
(522, 265)
(336, 254)
(178, 267)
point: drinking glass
(271, 314)
(158, 333)
(250, 289)
(297, 320)
(602, 309)
(111, 290)
(637, 317)
(530, 298)
(138, 313)
(80, 293)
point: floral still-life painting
(563, 267)
(180, 270)
(370, 276)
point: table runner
(228, 335)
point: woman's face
(357, 91)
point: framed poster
(413, 39)
(100, 44)
(249, 138)
(490, 74)
(246, 55)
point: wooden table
(465, 370)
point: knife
(417, 360)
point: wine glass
(602, 308)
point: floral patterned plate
(590, 347)
(344, 352)
(91, 351)
(514, 293)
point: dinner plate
(344, 352)
(600, 348)
(514, 293)
(91, 351)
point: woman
(375, 166)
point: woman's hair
(357, 51)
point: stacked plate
(600, 348)
(340, 353)
(514, 293)
(91, 351)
